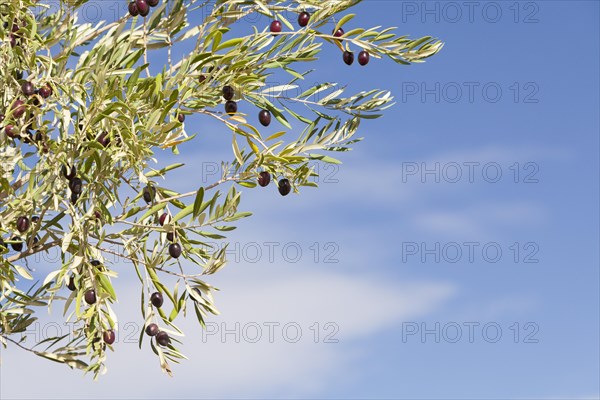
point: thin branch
(180, 196)
(16, 186)
(32, 251)
(119, 255)
(233, 126)
(145, 39)
(19, 344)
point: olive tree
(85, 119)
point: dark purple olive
(348, 57)
(157, 299)
(11, 131)
(303, 19)
(23, 224)
(149, 194)
(181, 117)
(174, 250)
(103, 139)
(71, 284)
(27, 88)
(76, 185)
(90, 296)
(339, 33)
(228, 92)
(95, 263)
(18, 245)
(264, 117)
(284, 187)
(45, 91)
(74, 198)
(170, 236)
(162, 219)
(231, 107)
(275, 26)
(152, 3)
(162, 338)
(152, 330)
(69, 172)
(18, 108)
(264, 178)
(133, 10)
(363, 57)
(109, 337)
(142, 7)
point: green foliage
(110, 117)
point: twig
(145, 40)
(32, 251)
(179, 196)
(19, 345)
(230, 125)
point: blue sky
(374, 217)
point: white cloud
(359, 305)
(485, 220)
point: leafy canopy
(80, 164)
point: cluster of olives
(141, 7)
(303, 20)
(149, 194)
(19, 107)
(284, 186)
(348, 56)
(264, 116)
(90, 295)
(91, 298)
(14, 37)
(75, 183)
(162, 338)
(23, 224)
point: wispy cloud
(355, 306)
